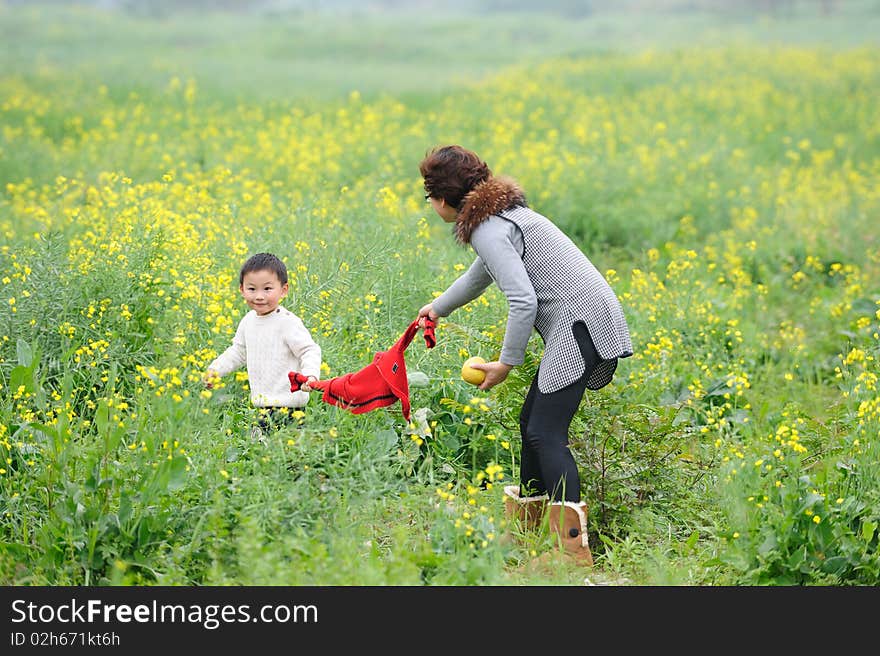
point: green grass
(724, 165)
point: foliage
(729, 195)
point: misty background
(315, 51)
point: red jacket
(379, 384)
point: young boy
(271, 340)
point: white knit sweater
(271, 346)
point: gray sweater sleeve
(469, 285)
(498, 243)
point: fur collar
(489, 197)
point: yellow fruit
(471, 375)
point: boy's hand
(210, 378)
(305, 386)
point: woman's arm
(499, 245)
(469, 286)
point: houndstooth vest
(569, 289)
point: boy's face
(262, 291)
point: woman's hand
(305, 386)
(496, 372)
(427, 311)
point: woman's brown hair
(450, 172)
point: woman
(550, 286)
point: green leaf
(797, 558)
(110, 431)
(809, 502)
(124, 513)
(417, 379)
(835, 565)
(21, 376)
(718, 387)
(385, 441)
(144, 532)
(102, 417)
(16, 548)
(111, 375)
(450, 442)
(24, 353)
(740, 416)
(177, 471)
(768, 545)
(868, 529)
(49, 436)
(45, 433)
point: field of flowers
(731, 196)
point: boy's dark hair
(264, 262)
(450, 172)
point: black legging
(547, 465)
